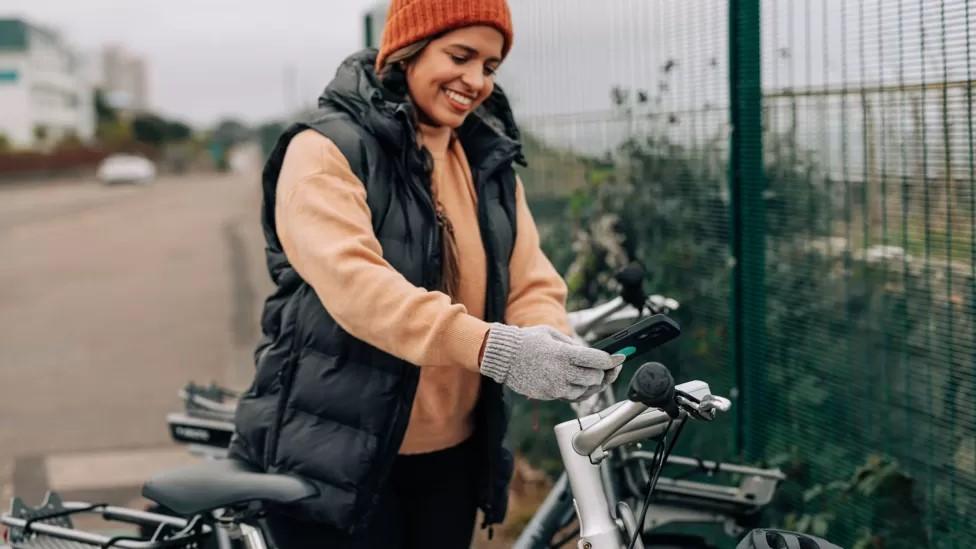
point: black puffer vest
(325, 405)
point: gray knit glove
(609, 376)
(544, 364)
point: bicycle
(220, 500)
(227, 496)
(206, 424)
(620, 471)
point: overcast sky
(259, 59)
(211, 58)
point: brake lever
(705, 409)
(659, 304)
(715, 403)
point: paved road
(111, 298)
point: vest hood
(489, 134)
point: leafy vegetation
(851, 373)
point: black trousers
(429, 502)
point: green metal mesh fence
(624, 107)
(826, 261)
(875, 354)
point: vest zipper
(284, 380)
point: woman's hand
(544, 364)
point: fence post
(746, 185)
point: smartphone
(641, 336)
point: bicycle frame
(756, 490)
(597, 514)
(605, 516)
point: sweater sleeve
(325, 229)
(538, 293)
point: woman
(410, 289)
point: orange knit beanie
(409, 21)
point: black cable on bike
(655, 465)
(660, 458)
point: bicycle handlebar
(630, 421)
(591, 438)
(651, 386)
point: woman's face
(455, 73)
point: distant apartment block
(124, 80)
(44, 96)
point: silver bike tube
(582, 325)
(652, 422)
(609, 482)
(630, 468)
(598, 530)
(649, 430)
(721, 467)
(252, 538)
(556, 510)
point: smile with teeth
(458, 98)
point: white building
(124, 80)
(44, 96)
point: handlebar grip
(653, 386)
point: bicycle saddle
(220, 483)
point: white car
(126, 168)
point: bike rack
(49, 526)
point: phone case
(640, 337)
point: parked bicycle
(206, 424)
(229, 496)
(609, 470)
(602, 500)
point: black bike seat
(221, 483)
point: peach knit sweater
(324, 226)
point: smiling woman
(451, 75)
(410, 289)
